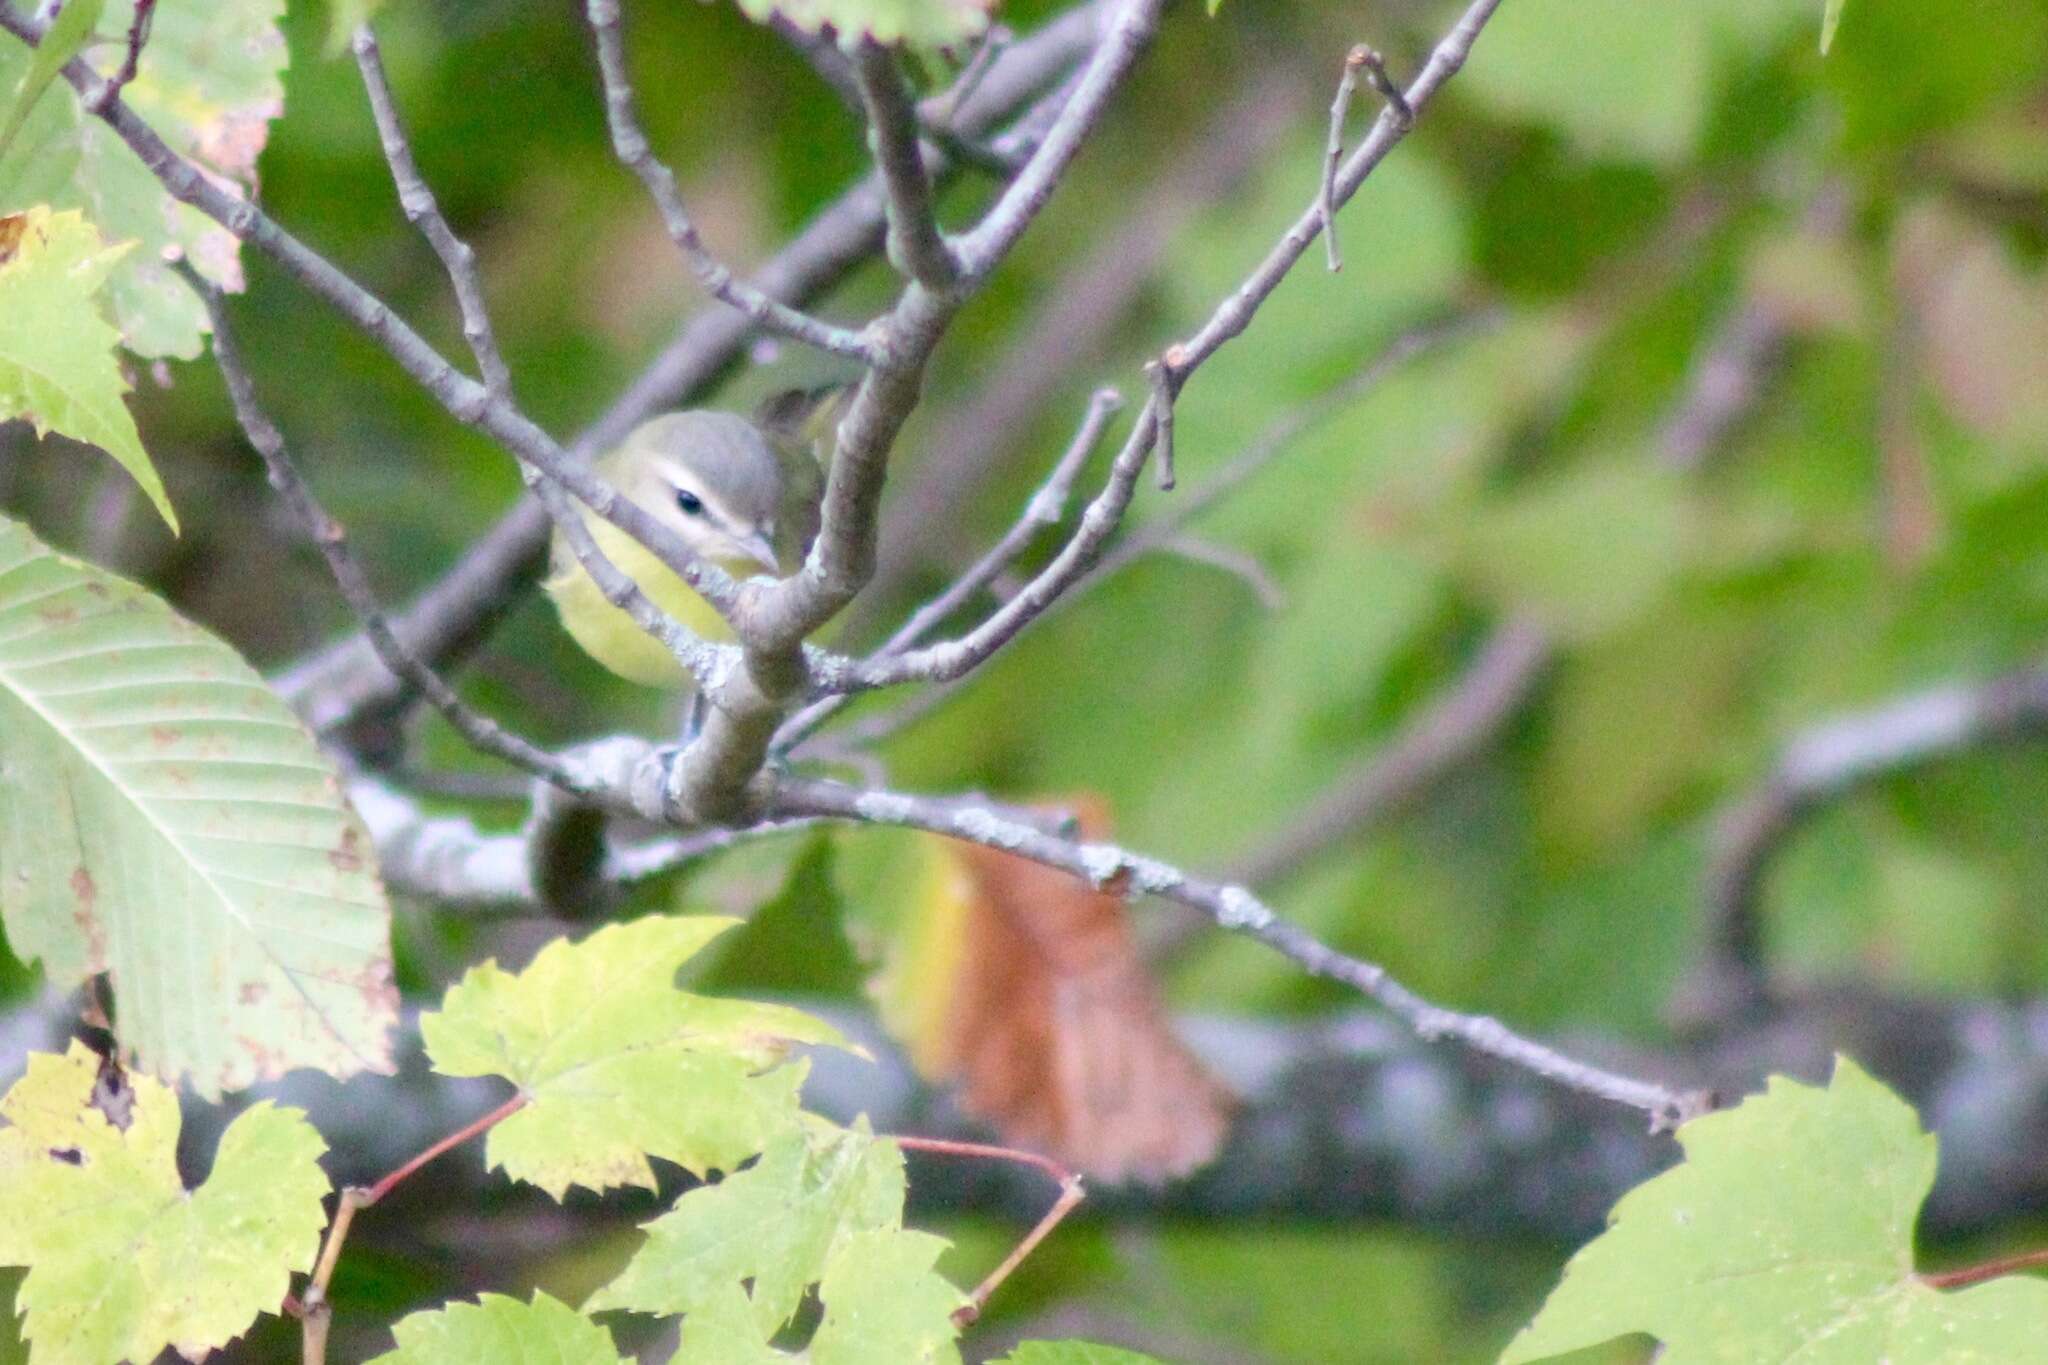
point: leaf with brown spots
(164, 819)
(209, 84)
(1022, 985)
(123, 1260)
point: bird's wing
(802, 426)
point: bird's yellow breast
(607, 633)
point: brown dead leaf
(12, 226)
(1055, 1034)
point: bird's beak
(756, 546)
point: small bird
(743, 493)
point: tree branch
(479, 731)
(924, 522)
(955, 658)
(1822, 764)
(629, 144)
(344, 685)
(1235, 909)
(1142, 540)
(1047, 507)
(423, 211)
(1346, 1117)
(1448, 731)
(916, 246)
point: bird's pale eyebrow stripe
(682, 482)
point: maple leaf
(124, 1261)
(616, 1063)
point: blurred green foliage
(1621, 178)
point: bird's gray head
(712, 476)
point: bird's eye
(691, 504)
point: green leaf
(209, 84)
(57, 366)
(619, 1065)
(167, 820)
(917, 23)
(66, 34)
(884, 1304)
(821, 1207)
(1072, 1353)
(124, 1260)
(1787, 1234)
(773, 1225)
(1830, 19)
(502, 1331)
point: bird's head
(712, 478)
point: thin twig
(1448, 731)
(345, 683)
(710, 779)
(1147, 538)
(1387, 89)
(131, 58)
(916, 246)
(315, 1309)
(393, 1179)
(1237, 910)
(1333, 151)
(1070, 1195)
(423, 211)
(1129, 32)
(1047, 507)
(1239, 564)
(943, 109)
(1164, 374)
(331, 540)
(926, 521)
(1964, 1276)
(824, 58)
(630, 145)
(955, 658)
(1821, 764)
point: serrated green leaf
(1787, 1234)
(66, 34)
(209, 84)
(165, 819)
(1072, 1353)
(773, 1225)
(720, 1330)
(57, 366)
(497, 1330)
(122, 1260)
(618, 1064)
(884, 1304)
(1830, 20)
(922, 24)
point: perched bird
(743, 493)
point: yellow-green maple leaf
(122, 1259)
(617, 1064)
